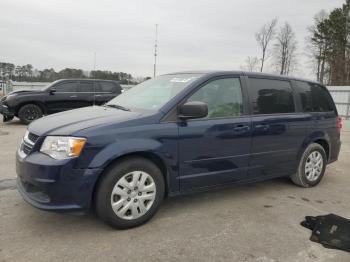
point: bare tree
(264, 37)
(285, 49)
(251, 64)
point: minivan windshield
(152, 94)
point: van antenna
(155, 52)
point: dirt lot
(258, 222)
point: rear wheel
(28, 113)
(130, 193)
(311, 167)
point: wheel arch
(325, 144)
(148, 155)
(37, 103)
(320, 138)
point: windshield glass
(154, 93)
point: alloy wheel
(31, 114)
(314, 166)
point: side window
(304, 90)
(314, 98)
(223, 97)
(66, 87)
(271, 96)
(108, 87)
(322, 99)
(85, 86)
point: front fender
(137, 145)
(124, 147)
(158, 142)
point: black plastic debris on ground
(331, 231)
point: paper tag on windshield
(182, 80)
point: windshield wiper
(118, 107)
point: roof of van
(86, 79)
(253, 74)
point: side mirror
(192, 110)
(52, 90)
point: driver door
(64, 97)
(215, 150)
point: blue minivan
(175, 134)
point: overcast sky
(192, 34)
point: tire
(28, 113)
(313, 154)
(132, 207)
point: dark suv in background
(61, 95)
(175, 134)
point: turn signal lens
(76, 145)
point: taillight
(340, 124)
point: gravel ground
(257, 222)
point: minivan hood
(68, 122)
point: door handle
(73, 96)
(262, 126)
(240, 128)
(97, 95)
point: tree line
(29, 74)
(327, 47)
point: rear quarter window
(87, 87)
(269, 96)
(314, 97)
(108, 87)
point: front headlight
(62, 147)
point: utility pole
(94, 61)
(94, 77)
(155, 52)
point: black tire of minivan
(300, 177)
(29, 112)
(112, 176)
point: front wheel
(312, 166)
(130, 193)
(28, 113)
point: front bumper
(54, 185)
(6, 111)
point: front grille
(26, 148)
(28, 143)
(32, 137)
